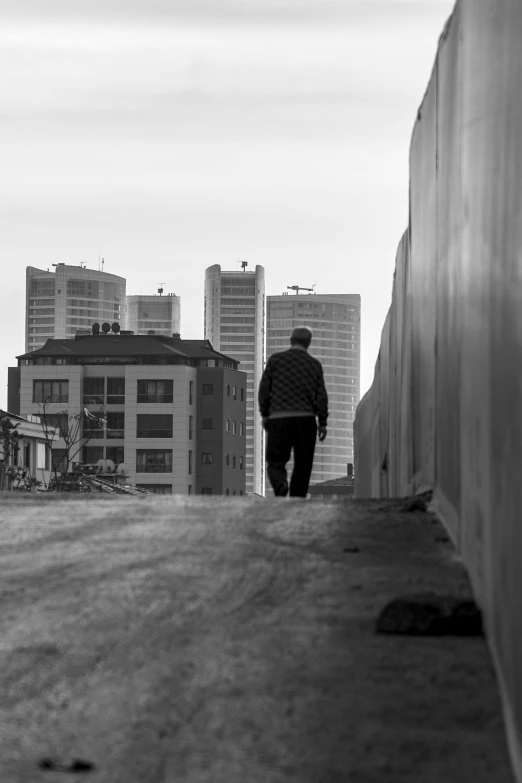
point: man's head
(301, 336)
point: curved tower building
(60, 303)
(335, 321)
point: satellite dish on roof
(106, 328)
(101, 465)
(115, 327)
(121, 470)
(96, 328)
(110, 466)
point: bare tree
(75, 430)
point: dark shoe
(282, 490)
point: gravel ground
(232, 641)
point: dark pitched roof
(12, 415)
(128, 345)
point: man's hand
(321, 433)
(264, 421)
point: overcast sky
(169, 135)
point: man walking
(291, 397)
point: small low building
(28, 463)
(334, 489)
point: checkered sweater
(293, 381)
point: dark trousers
(298, 433)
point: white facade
(235, 325)
(335, 321)
(71, 298)
(181, 408)
(32, 457)
(158, 314)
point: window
(88, 288)
(26, 455)
(234, 392)
(241, 428)
(228, 390)
(154, 461)
(116, 424)
(190, 462)
(191, 392)
(155, 391)
(59, 420)
(207, 458)
(50, 391)
(207, 424)
(206, 490)
(227, 425)
(91, 454)
(152, 425)
(59, 460)
(93, 391)
(208, 388)
(42, 287)
(42, 456)
(114, 453)
(242, 395)
(94, 425)
(191, 422)
(233, 428)
(115, 391)
(241, 466)
(234, 461)
(227, 459)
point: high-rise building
(60, 303)
(235, 325)
(335, 321)
(156, 313)
(172, 411)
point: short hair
(301, 335)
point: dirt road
(232, 641)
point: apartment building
(172, 411)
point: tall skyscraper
(60, 303)
(235, 325)
(160, 314)
(335, 320)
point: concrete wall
(445, 406)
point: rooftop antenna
(244, 265)
(298, 288)
(160, 289)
